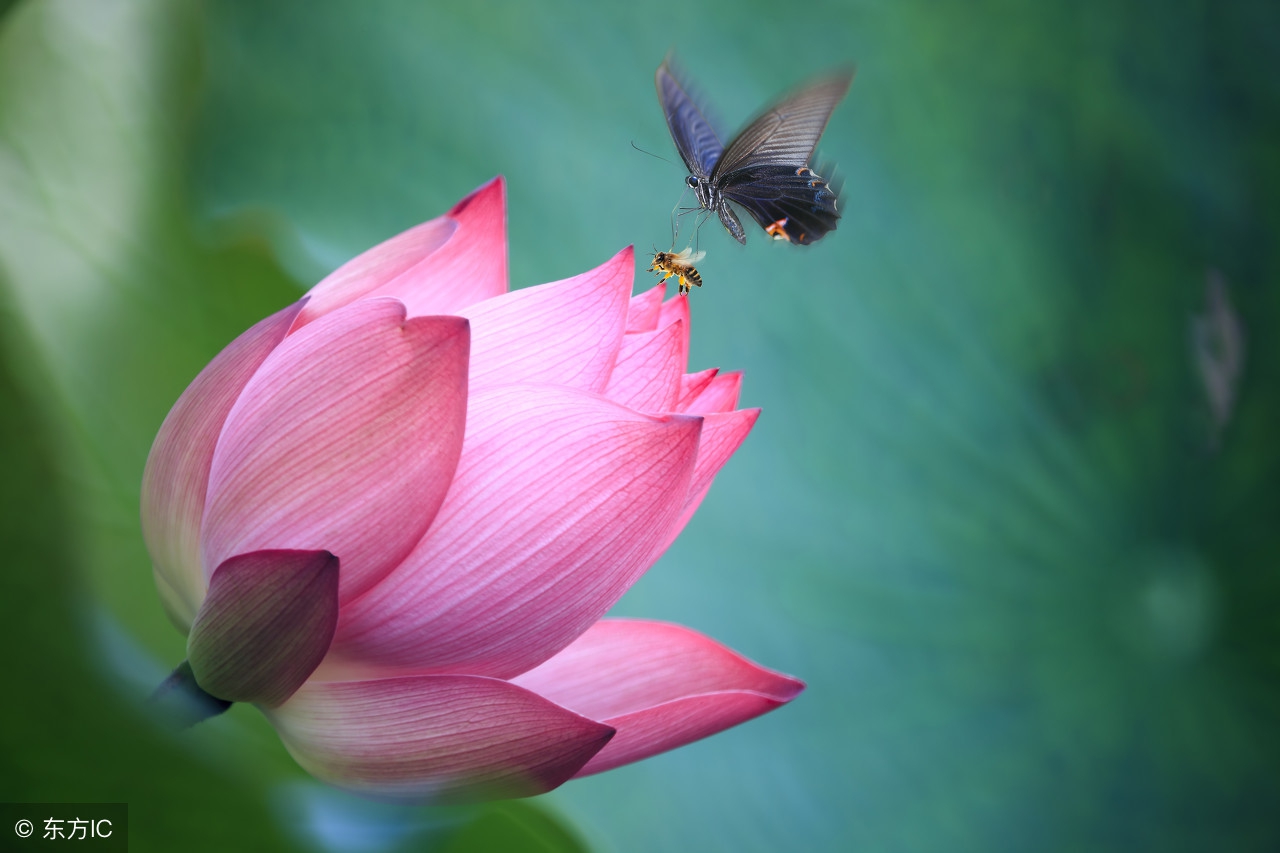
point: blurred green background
(990, 514)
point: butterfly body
(765, 168)
(711, 198)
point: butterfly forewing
(697, 142)
(786, 133)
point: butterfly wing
(697, 143)
(792, 204)
(765, 168)
(786, 133)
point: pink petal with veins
(563, 333)
(675, 310)
(649, 369)
(642, 314)
(722, 435)
(676, 723)
(471, 267)
(559, 504)
(439, 267)
(440, 739)
(720, 395)
(345, 440)
(692, 384)
(660, 685)
(372, 269)
(176, 478)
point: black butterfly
(765, 169)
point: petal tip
(446, 325)
(682, 420)
(603, 734)
(493, 190)
(789, 687)
(623, 266)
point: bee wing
(694, 258)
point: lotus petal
(471, 267)
(438, 267)
(359, 403)
(371, 270)
(692, 385)
(176, 479)
(720, 395)
(559, 504)
(650, 366)
(660, 685)
(439, 738)
(644, 309)
(563, 333)
(265, 625)
(676, 310)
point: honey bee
(680, 265)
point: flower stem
(182, 702)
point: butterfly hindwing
(793, 204)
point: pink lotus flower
(394, 513)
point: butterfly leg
(697, 231)
(675, 219)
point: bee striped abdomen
(680, 265)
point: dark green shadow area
(68, 731)
(513, 826)
(112, 298)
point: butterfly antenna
(650, 153)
